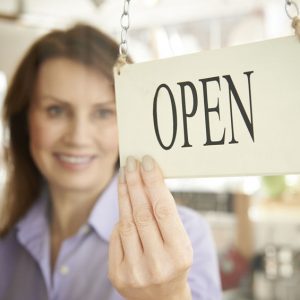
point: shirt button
(64, 270)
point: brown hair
(81, 43)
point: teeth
(75, 159)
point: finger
(115, 251)
(164, 206)
(129, 236)
(142, 210)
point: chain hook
(293, 4)
(295, 16)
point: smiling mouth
(75, 159)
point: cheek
(110, 139)
(38, 138)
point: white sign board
(227, 112)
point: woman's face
(72, 126)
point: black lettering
(185, 115)
(233, 91)
(174, 114)
(208, 110)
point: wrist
(183, 294)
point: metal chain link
(125, 23)
(291, 4)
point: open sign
(228, 112)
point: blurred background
(255, 220)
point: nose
(78, 131)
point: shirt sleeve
(204, 276)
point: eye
(105, 113)
(55, 110)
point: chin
(79, 188)
(81, 183)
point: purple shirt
(82, 264)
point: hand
(149, 253)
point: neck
(70, 210)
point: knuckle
(121, 284)
(126, 227)
(134, 282)
(111, 275)
(130, 277)
(185, 256)
(157, 273)
(143, 217)
(157, 280)
(162, 211)
(116, 279)
(123, 190)
(185, 262)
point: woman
(70, 229)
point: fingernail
(147, 163)
(121, 175)
(130, 164)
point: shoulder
(8, 245)
(7, 239)
(8, 256)
(10, 249)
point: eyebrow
(65, 102)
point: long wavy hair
(81, 43)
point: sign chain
(125, 23)
(123, 48)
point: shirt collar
(32, 229)
(103, 217)
(35, 219)
(105, 213)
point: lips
(75, 160)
